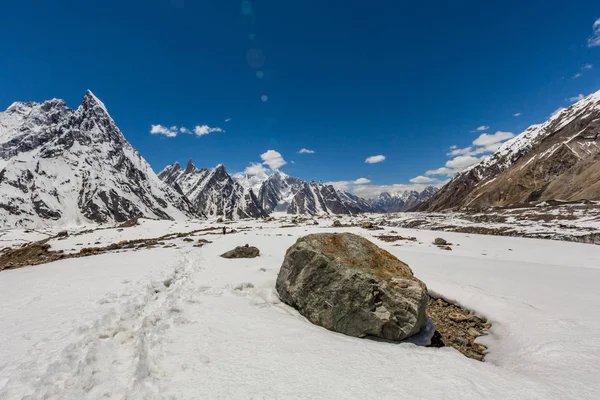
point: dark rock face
(347, 284)
(242, 252)
(557, 160)
(75, 165)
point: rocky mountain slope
(557, 160)
(243, 196)
(61, 166)
(402, 201)
(213, 193)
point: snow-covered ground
(184, 323)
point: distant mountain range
(60, 166)
(557, 160)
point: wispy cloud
(227, 119)
(516, 114)
(595, 39)
(575, 99)
(375, 159)
(482, 128)
(464, 158)
(362, 181)
(422, 179)
(201, 130)
(172, 131)
(273, 159)
(306, 151)
(577, 75)
(163, 130)
(587, 66)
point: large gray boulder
(347, 284)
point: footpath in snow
(184, 323)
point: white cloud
(306, 151)
(348, 186)
(201, 130)
(227, 119)
(577, 75)
(461, 163)
(486, 139)
(440, 171)
(453, 147)
(375, 159)
(422, 179)
(482, 128)
(174, 130)
(576, 98)
(595, 39)
(516, 114)
(459, 152)
(273, 159)
(163, 130)
(463, 158)
(587, 66)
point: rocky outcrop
(346, 284)
(557, 160)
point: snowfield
(183, 323)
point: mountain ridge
(556, 160)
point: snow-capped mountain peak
(63, 166)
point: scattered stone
(347, 284)
(445, 248)
(440, 242)
(391, 238)
(243, 286)
(187, 239)
(458, 317)
(473, 332)
(337, 224)
(62, 234)
(458, 328)
(242, 252)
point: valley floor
(183, 323)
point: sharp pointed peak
(190, 167)
(91, 102)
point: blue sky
(346, 79)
